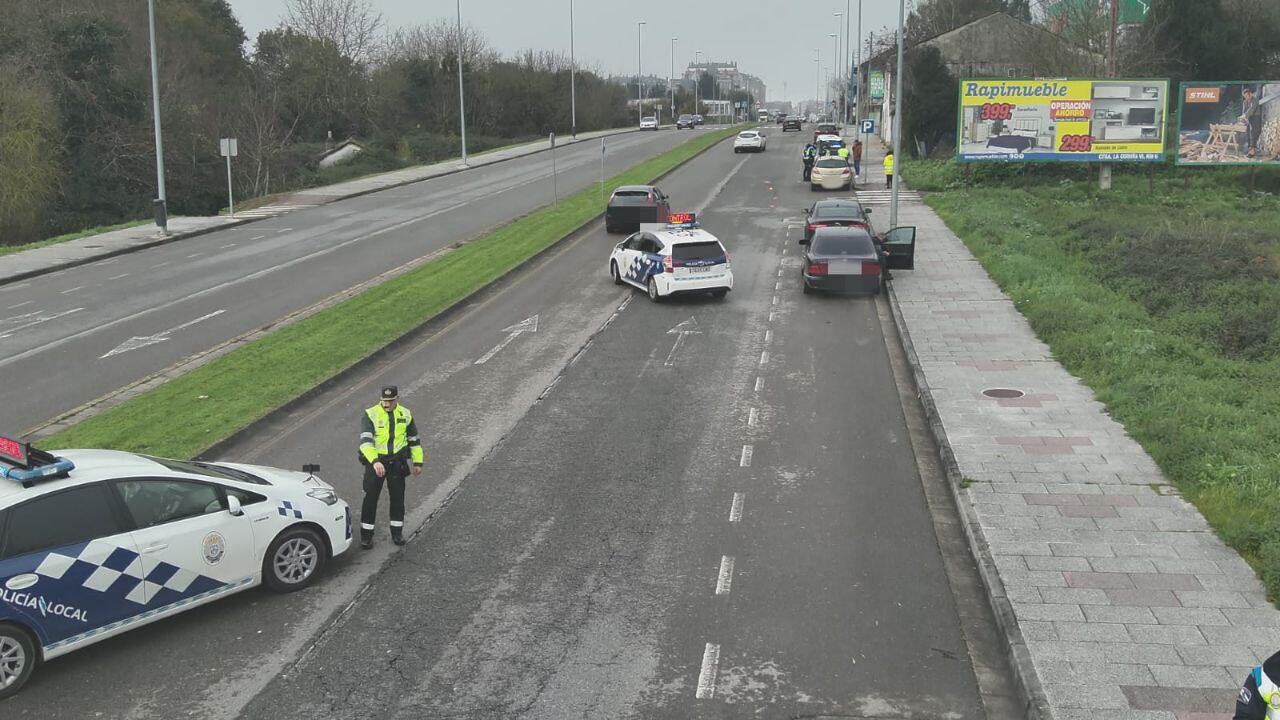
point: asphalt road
(72, 336)
(608, 528)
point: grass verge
(1163, 296)
(189, 414)
(87, 232)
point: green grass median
(1163, 295)
(189, 414)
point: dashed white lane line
(735, 510)
(21, 304)
(764, 358)
(710, 667)
(775, 299)
(256, 238)
(71, 290)
(159, 265)
(745, 460)
(751, 418)
(759, 383)
(725, 579)
(285, 230)
(770, 316)
(779, 272)
(117, 277)
(768, 336)
(19, 286)
(194, 255)
(777, 285)
(228, 245)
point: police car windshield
(697, 251)
(217, 472)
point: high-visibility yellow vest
(888, 164)
(1269, 691)
(389, 434)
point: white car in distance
(649, 123)
(749, 141)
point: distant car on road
(841, 260)
(677, 259)
(825, 128)
(94, 543)
(836, 212)
(649, 123)
(792, 123)
(685, 121)
(631, 205)
(749, 141)
(698, 120)
(831, 173)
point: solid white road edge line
(710, 666)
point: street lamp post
(858, 106)
(639, 82)
(671, 74)
(835, 53)
(573, 94)
(462, 108)
(817, 75)
(162, 210)
(840, 62)
(897, 117)
(697, 84)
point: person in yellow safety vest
(1259, 697)
(888, 169)
(388, 445)
(843, 152)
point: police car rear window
(60, 519)
(697, 251)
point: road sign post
(868, 127)
(601, 169)
(229, 148)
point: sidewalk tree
(928, 100)
(28, 156)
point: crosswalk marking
(273, 210)
(884, 197)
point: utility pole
(462, 106)
(839, 63)
(845, 58)
(573, 94)
(671, 74)
(697, 84)
(161, 202)
(858, 108)
(897, 115)
(639, 81)
(817, 75)
(1104, 171)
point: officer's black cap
(390, 392)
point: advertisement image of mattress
(1017, 143)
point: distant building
(727, 77)
(344, 152)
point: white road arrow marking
(527, 325)
(684, 328)
(137, 343)
(38, 318)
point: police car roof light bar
(24, 464)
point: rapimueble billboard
(1062, 120)
(1229, 123)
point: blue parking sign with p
(868, 126)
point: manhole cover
(1003, 393)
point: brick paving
(1117, 598)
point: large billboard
(1068, 120)
(1229, 123)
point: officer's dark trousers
(394, 480)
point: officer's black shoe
(366, 539)
(397, 536)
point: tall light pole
(573, 94)
(835, 53)
(639, 82)
(162, 210)
(697, 84)
(897, 118)
(462, 109)
(671, 74)
(858, 107)
(817, 75)
(841, 55)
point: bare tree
(351, 25)
(27, 154)
(438, 41)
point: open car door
(900, 243)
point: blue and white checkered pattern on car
(642, 266)
(286, 509)
(108, 568)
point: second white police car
(94, 543)
(676, 258)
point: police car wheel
(719, 293)
(294, 560)
(17, 659)
(613, 270)
(653, 290)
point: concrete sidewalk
(1117, 599)
(51, 258)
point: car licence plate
(699, 269)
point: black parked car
(631, 205)
(685, 121)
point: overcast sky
(773, 39)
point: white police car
(679, 257)
(97, 542)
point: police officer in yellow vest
(1259, 698)
(888, 169)
(389, 451)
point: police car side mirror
(233, 506)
